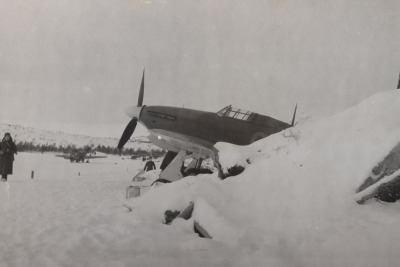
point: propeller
(126, 135)
(134, 113)
(141, 92)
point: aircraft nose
(133, 112)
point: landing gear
(167, 159)
(172, 172)
(173, 168)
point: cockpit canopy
(236, 113)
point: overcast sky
(76, 65)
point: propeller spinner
(134, 113)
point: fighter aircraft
(188, 133)
(80, 155)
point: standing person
(149, 165)
(7, 151)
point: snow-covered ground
(294, 205)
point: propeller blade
(141, 92)
(130, 128)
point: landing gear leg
(173, 171)
(217, 165)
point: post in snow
(398, 84)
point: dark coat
(7, 151)
(149, 166)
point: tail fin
(294, 116)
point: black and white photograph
(176, 133)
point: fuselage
(208, 126)
(77, 156)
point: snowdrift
(295, 200)
(293, 205)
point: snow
(294, 205)
(49, 137)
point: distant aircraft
(187, 133)
(80, 155)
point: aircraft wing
(95, 157)
(65, 156)
(172, 141)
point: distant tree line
(130, 151)
(30, 147)
(53, 148)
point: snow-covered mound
(294, 204)
(46, 137)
